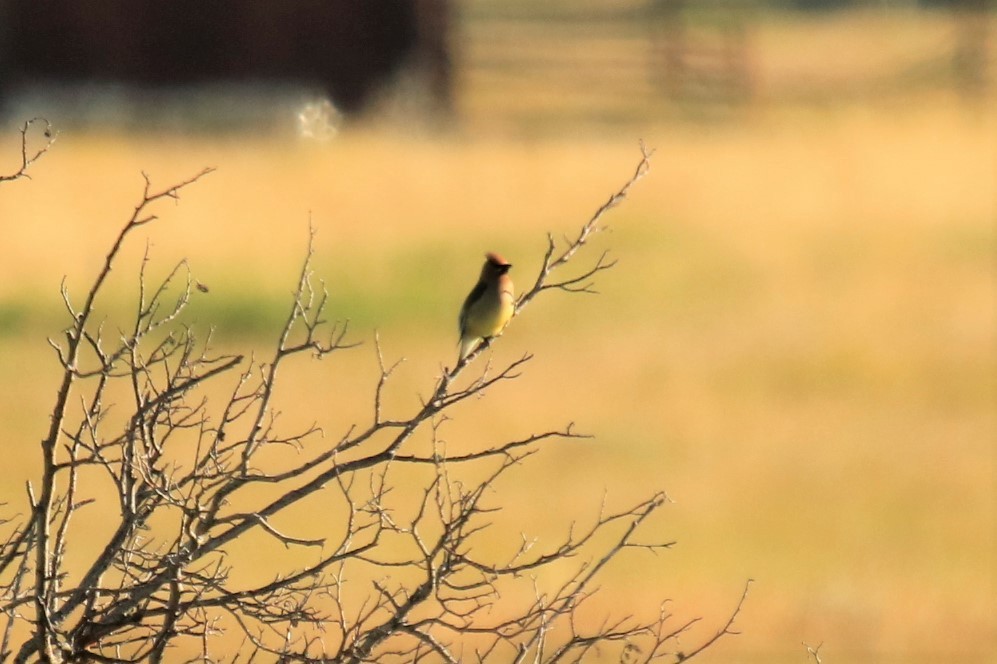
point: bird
(488, 306)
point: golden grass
(796, 345)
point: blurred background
(798, 343)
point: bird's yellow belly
(490, 323)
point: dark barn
(348, 48)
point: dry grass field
(797, 343)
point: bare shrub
(397, 574)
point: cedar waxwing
(489, 305)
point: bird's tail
(467, 344)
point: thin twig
(30, 156)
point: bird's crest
(496, 259)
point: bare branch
(727, 628)
(551, 262)
(30, 155)
(814, 652)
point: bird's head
(495, 265)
